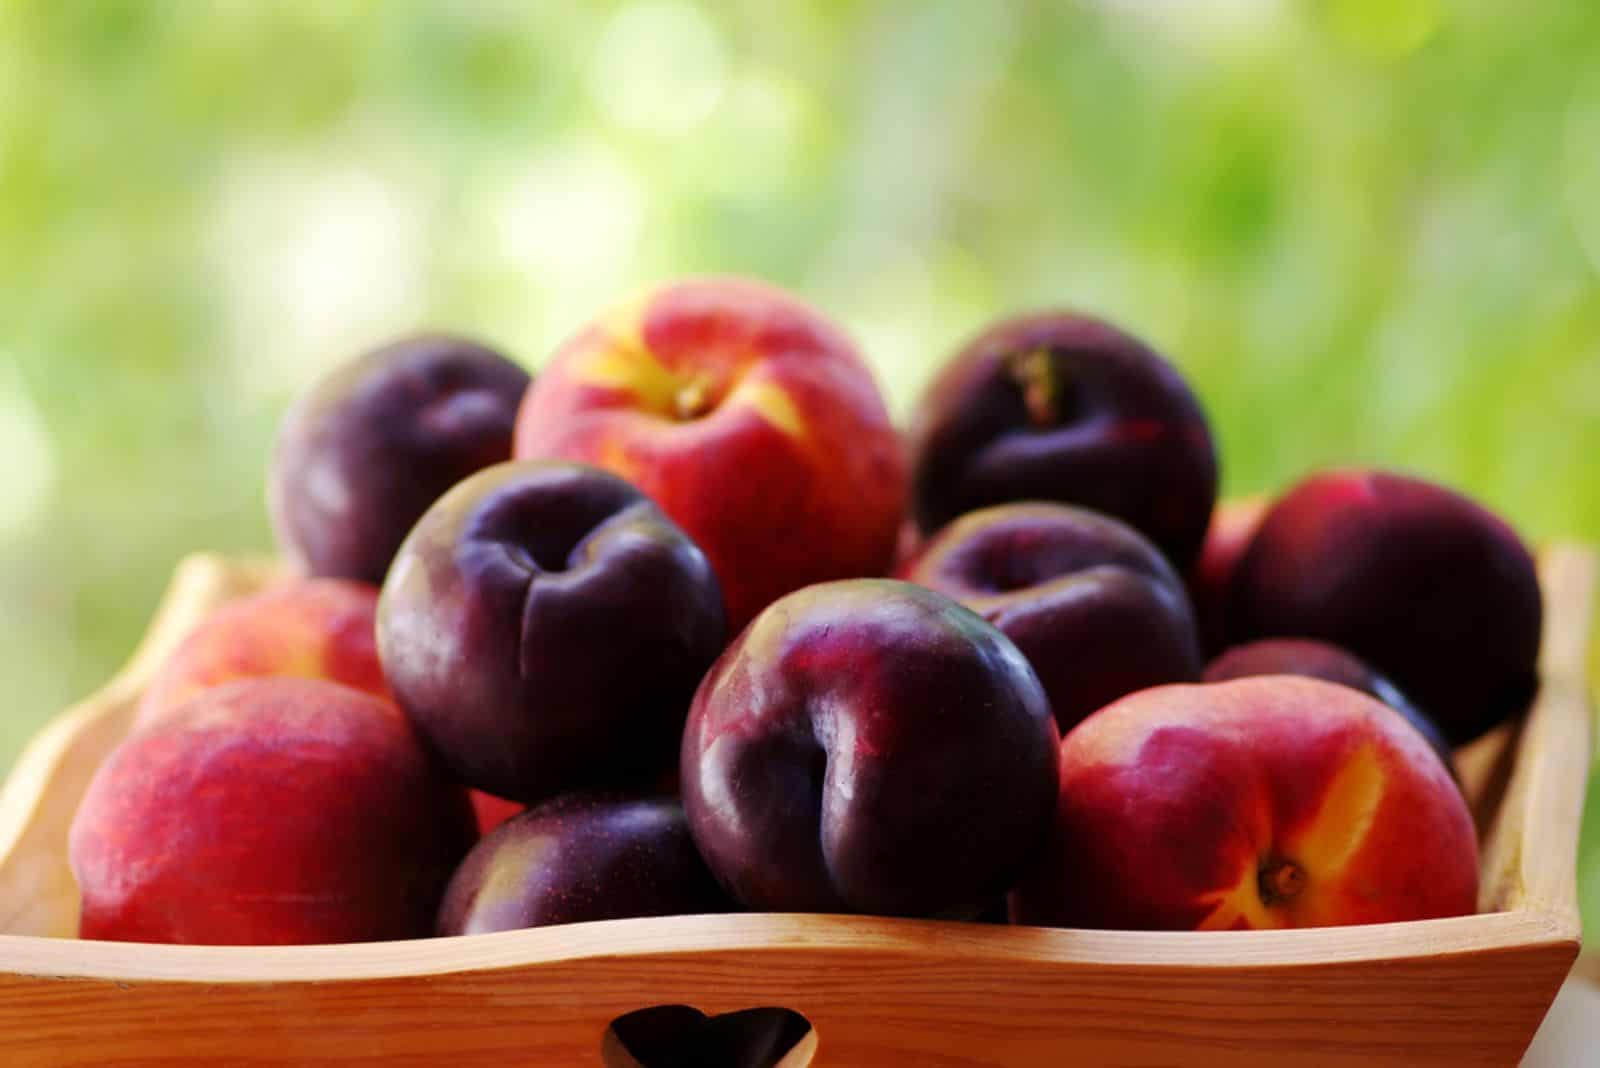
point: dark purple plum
(1092, 604)
(870, 746)
(1433, 590)
(581, 857)
(1320, 660)
(1061, 407)
(997, 912)
(372, 445)
(544, 625)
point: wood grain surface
(1469, 990)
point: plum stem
(1034, 371)
(693, 399)
(1281, 880)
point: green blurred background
(1369, 230)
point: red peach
(1265, 802)
(1233, 524)
(492, 811)
(307, 628)
(747, 416)
(269, 812)
(1320, 660)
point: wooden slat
(1546, 794)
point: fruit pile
(637, 651)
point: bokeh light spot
(575, 208)
(767, 116)
(29, 471)
(659, 67)
(1216, 22)
(321, 261)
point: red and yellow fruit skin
(276, 811)
(1181, 806)
(747, 416)
(491, 811)
(1233, 524)
(304, 628)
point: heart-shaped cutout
(680, 1036)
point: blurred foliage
(1368, 229)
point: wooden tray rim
(780, 934)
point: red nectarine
(747, 416)
(1265, 802)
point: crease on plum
(579, 561)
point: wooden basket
(1468, 990)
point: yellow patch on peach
(304, 661)
(1323, 850)
(212, 661)
(623, 323)
(628, 368)
(1337, 831)
(622, 360)
(774, 404)
(612, 455)
(1241, 901)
